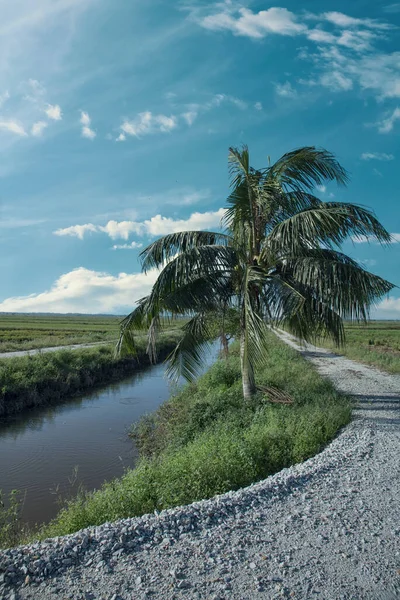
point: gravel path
(328, 528)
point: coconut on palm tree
(278, 262)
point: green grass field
(26, 332)
(377, 343)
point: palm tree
(278, 262)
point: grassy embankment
(31, 381)
(205, 441)
(376, 343)
(26, 332)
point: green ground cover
(376, 343)
(205, 440)
(26, 332)
(44, 378)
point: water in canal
(48, 452)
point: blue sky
(116, 118)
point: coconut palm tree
(278, 262)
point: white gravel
(328, 528)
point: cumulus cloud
(190, 116)
(53, 112)
(285, 90)
(146, 123)
(376, 156)
(78, 231)
(342, 20)
(38, 128)
(157, 225)
(258, 106)
(244, 22)
(386, 125)
(131, 246)
(344, 56)
(336, 81)
(87, 132)
(86, 291)
(13, 127)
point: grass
(31, 381)
(205, 440)
(26, 332)
(376, 343)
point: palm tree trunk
(248, 383)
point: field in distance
(377, 343)
(27, 332)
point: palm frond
(305, 168)
(162, 250)
(189, 355)
(239, 164)
(328, 225)
(338, 281)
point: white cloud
(85, 119)
(38, 128)
(131, 246)
(86, 291)
(146, 123)
(342, 20)
(4, 97)
(342, 59)
(78, 231)
(88, 133)
(187, 198)
(13, 127)
(336, 81)
(190, 117)
(285, 90)
(53, 112)
(121, 229)
(321, 36)
(258, 106)
(157, 225)
(389, 308)
(321, 188)
(392, 8)
(376, 156)
(386, 125)
(255, 25)
(121, 137)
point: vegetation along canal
(47, 453)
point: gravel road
(328, 528)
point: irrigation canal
(47, 453)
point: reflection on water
(52, 450)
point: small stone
(27, 580)
(252, 566)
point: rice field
(375, 343)
(26, 332)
